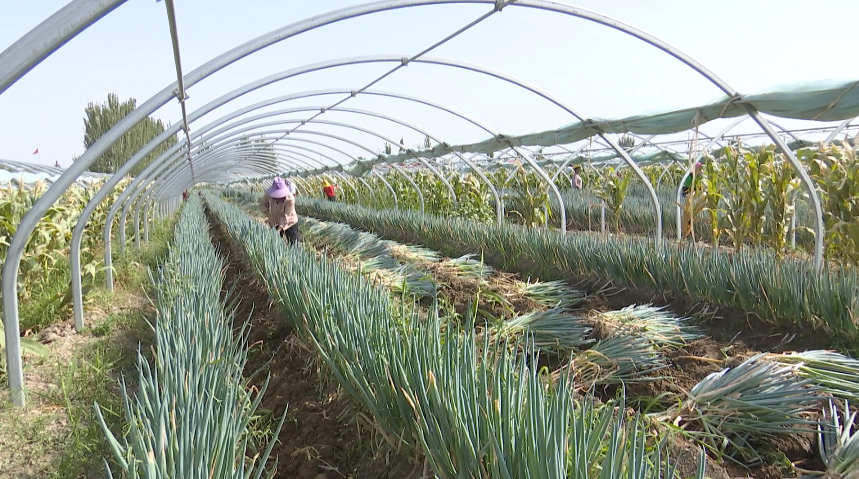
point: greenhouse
(668, 294)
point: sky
(751, 44)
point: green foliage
(61, 418)
(612, 189)
(527, 199)
(836, 172)
(99, 118)
(43, 278)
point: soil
(461, 290)
(33, 437)
(321, 438)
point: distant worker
(185, 195)
(692, 180)
(330, 191)
(57, 164)
(292, 188)
(576, 181)
(278, 204)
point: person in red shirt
(330, 191)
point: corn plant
(836, 172)
(27, 345)
(712, 184)
(528, 199)
(612, 189)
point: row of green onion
(190, 413)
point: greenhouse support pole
(137, 208)
(350, 185)
(442, 178)
(499, 204)
(567, 162)
(146, 223)
(47, 37)
(602, 217)
(369, 188)
(390, 188)
(551, 184)
(844, 124)
(411, 182)
(664, 172)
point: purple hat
(278, 188)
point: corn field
(744, 198)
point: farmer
(692, 180)
(576, 181)
(330, 191)
(278, 203)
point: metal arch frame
(349, 184)
(325, 122)
(411, 182)
(665, 171)
(211, 170)
(138, 186)
(156, 165)
(261, 166)
(452, 111)
(47, 37)
(213, 166)
(31, 218)
(220, 163)
(166, 159)
(421, 160)
(167, 169)
(332, 123)
(844, 124)
(390, 188)
(200, 174)
(214, 148)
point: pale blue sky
(752, 44)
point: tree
(102, 117)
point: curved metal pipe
(411, 182)
(390, 188)
(48, 36)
